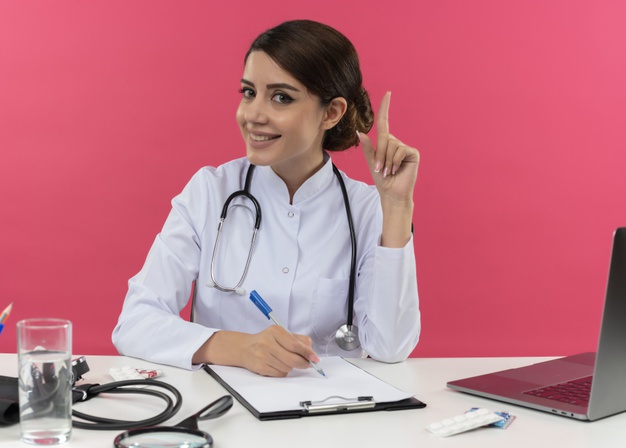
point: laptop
(586, 386)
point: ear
(333, 113)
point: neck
(295, 175)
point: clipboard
(306, 394)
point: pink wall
(108, 107)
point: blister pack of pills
(130, 373)
(464, 422)
(125, 373)
(507, 419)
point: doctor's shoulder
(227, 177)
(229, 173)
(209, 187)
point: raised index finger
(382, 122)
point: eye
(247, 92)
(282, 98)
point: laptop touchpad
(556, 371)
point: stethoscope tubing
(352, 283)
(120, 387)
(246, 193)
(257, 224)
(342, 333)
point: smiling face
(282, 123)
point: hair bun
(364, 111)
(358, 117)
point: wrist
(397, 223)
(222, 348)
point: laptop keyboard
(573, 392)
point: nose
(254, 111)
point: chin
(257, 159)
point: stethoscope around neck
(347, 335)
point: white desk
(426, 378)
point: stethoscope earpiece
(237, 290)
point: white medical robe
(300, 266)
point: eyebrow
(279, 85)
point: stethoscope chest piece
(347, 337)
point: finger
(280, 362)
(382, 128)
(296, 354)
(306, 340)
(308, 343)
(390, 154)
(269, 370)
(263, 358)
(382, 122)
(404, 155)
(368, 150)
(387, 145)
(271, 357)
(398, 158)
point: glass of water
(44, 349)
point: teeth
(260, 138)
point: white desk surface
(425, 378)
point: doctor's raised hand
(394, 169)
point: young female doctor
(301, 98)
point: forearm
(156, 335)
(388, 307)
(397, 219)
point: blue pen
(265, 309)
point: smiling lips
(259, 141)
(263, 138)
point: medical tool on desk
(88, 391)
(473, 419)
(267, 311)
(347, 336)
(185, 434)
(48, 384)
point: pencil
(5, 316)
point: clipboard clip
(336, 403)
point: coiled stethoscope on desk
(45, 390)
(347, 336)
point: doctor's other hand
(392, 163)
(272, 352)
